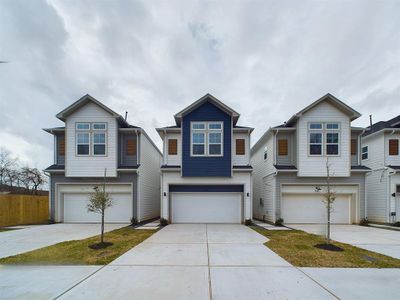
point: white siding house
(380, 148)
(95, 139)
(290, 166)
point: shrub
(279, 222)
(134, 221)
(248, 222)
(364, 222)
(397, 224)
(163, 222)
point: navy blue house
(206, 172)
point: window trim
(90, 131)
(105, 142)
(366, 152)
(398, 150)
(77, 144)
(206, 131)
(326, 142)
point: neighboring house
(380, 152)
(206, 172)
(96, 139)
(290, 161)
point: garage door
(75, 209)
(206, 207)
(309, 208)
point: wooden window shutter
(131, 147)
(172, 146)
(393, 147)
(354, 146)
(240, 146)
(61, 145)
(283, 147)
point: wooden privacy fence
(23, 209)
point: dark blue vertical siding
(207, 166)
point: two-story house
(290, 166)
(97, 142)
(380, 152)
(206, 172)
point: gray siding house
(290, 166)
(96, 141)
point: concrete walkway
(370, 238)
(34, 237)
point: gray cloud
(266, 59)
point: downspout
(389, 194)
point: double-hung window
(91, 139)
(82, 138)
(332, 139)
(315, 138)
(364, 152)
(99, 138)
(206, 138)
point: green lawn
(6, 229)
(297, 247)
(78, 253)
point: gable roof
(82, 102)
(393, 123)
(353, 114)
(207, 98)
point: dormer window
(206, 138)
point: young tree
(329, 197)
(99, 201)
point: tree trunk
(328, 233)
(102, 227)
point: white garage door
(206, 207)
(309, 208)
(75, 209)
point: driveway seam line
(318, 283)
(209, 269)
(78, 283)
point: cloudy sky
(265, 59)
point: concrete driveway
(33, 237)
(370, 238)
(199, 261)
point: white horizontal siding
(377, 194)
(148, 180)
(376, 151)
(314, 166)
(241, 160)
(91, 166)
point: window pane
(364, 156)
(215, 149)
(315, 138)
(315, 149)
(198, 138)
(215, 137)
(99, 138)
(83, 149)
(364, 149)
(315, 126)
(99, 149)
(198, 149)
(214, 126)
(99, 126)
(332, 138)
(83, 138)
(332, 149)
(82, 126)
(198, 126)
(332, 126)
